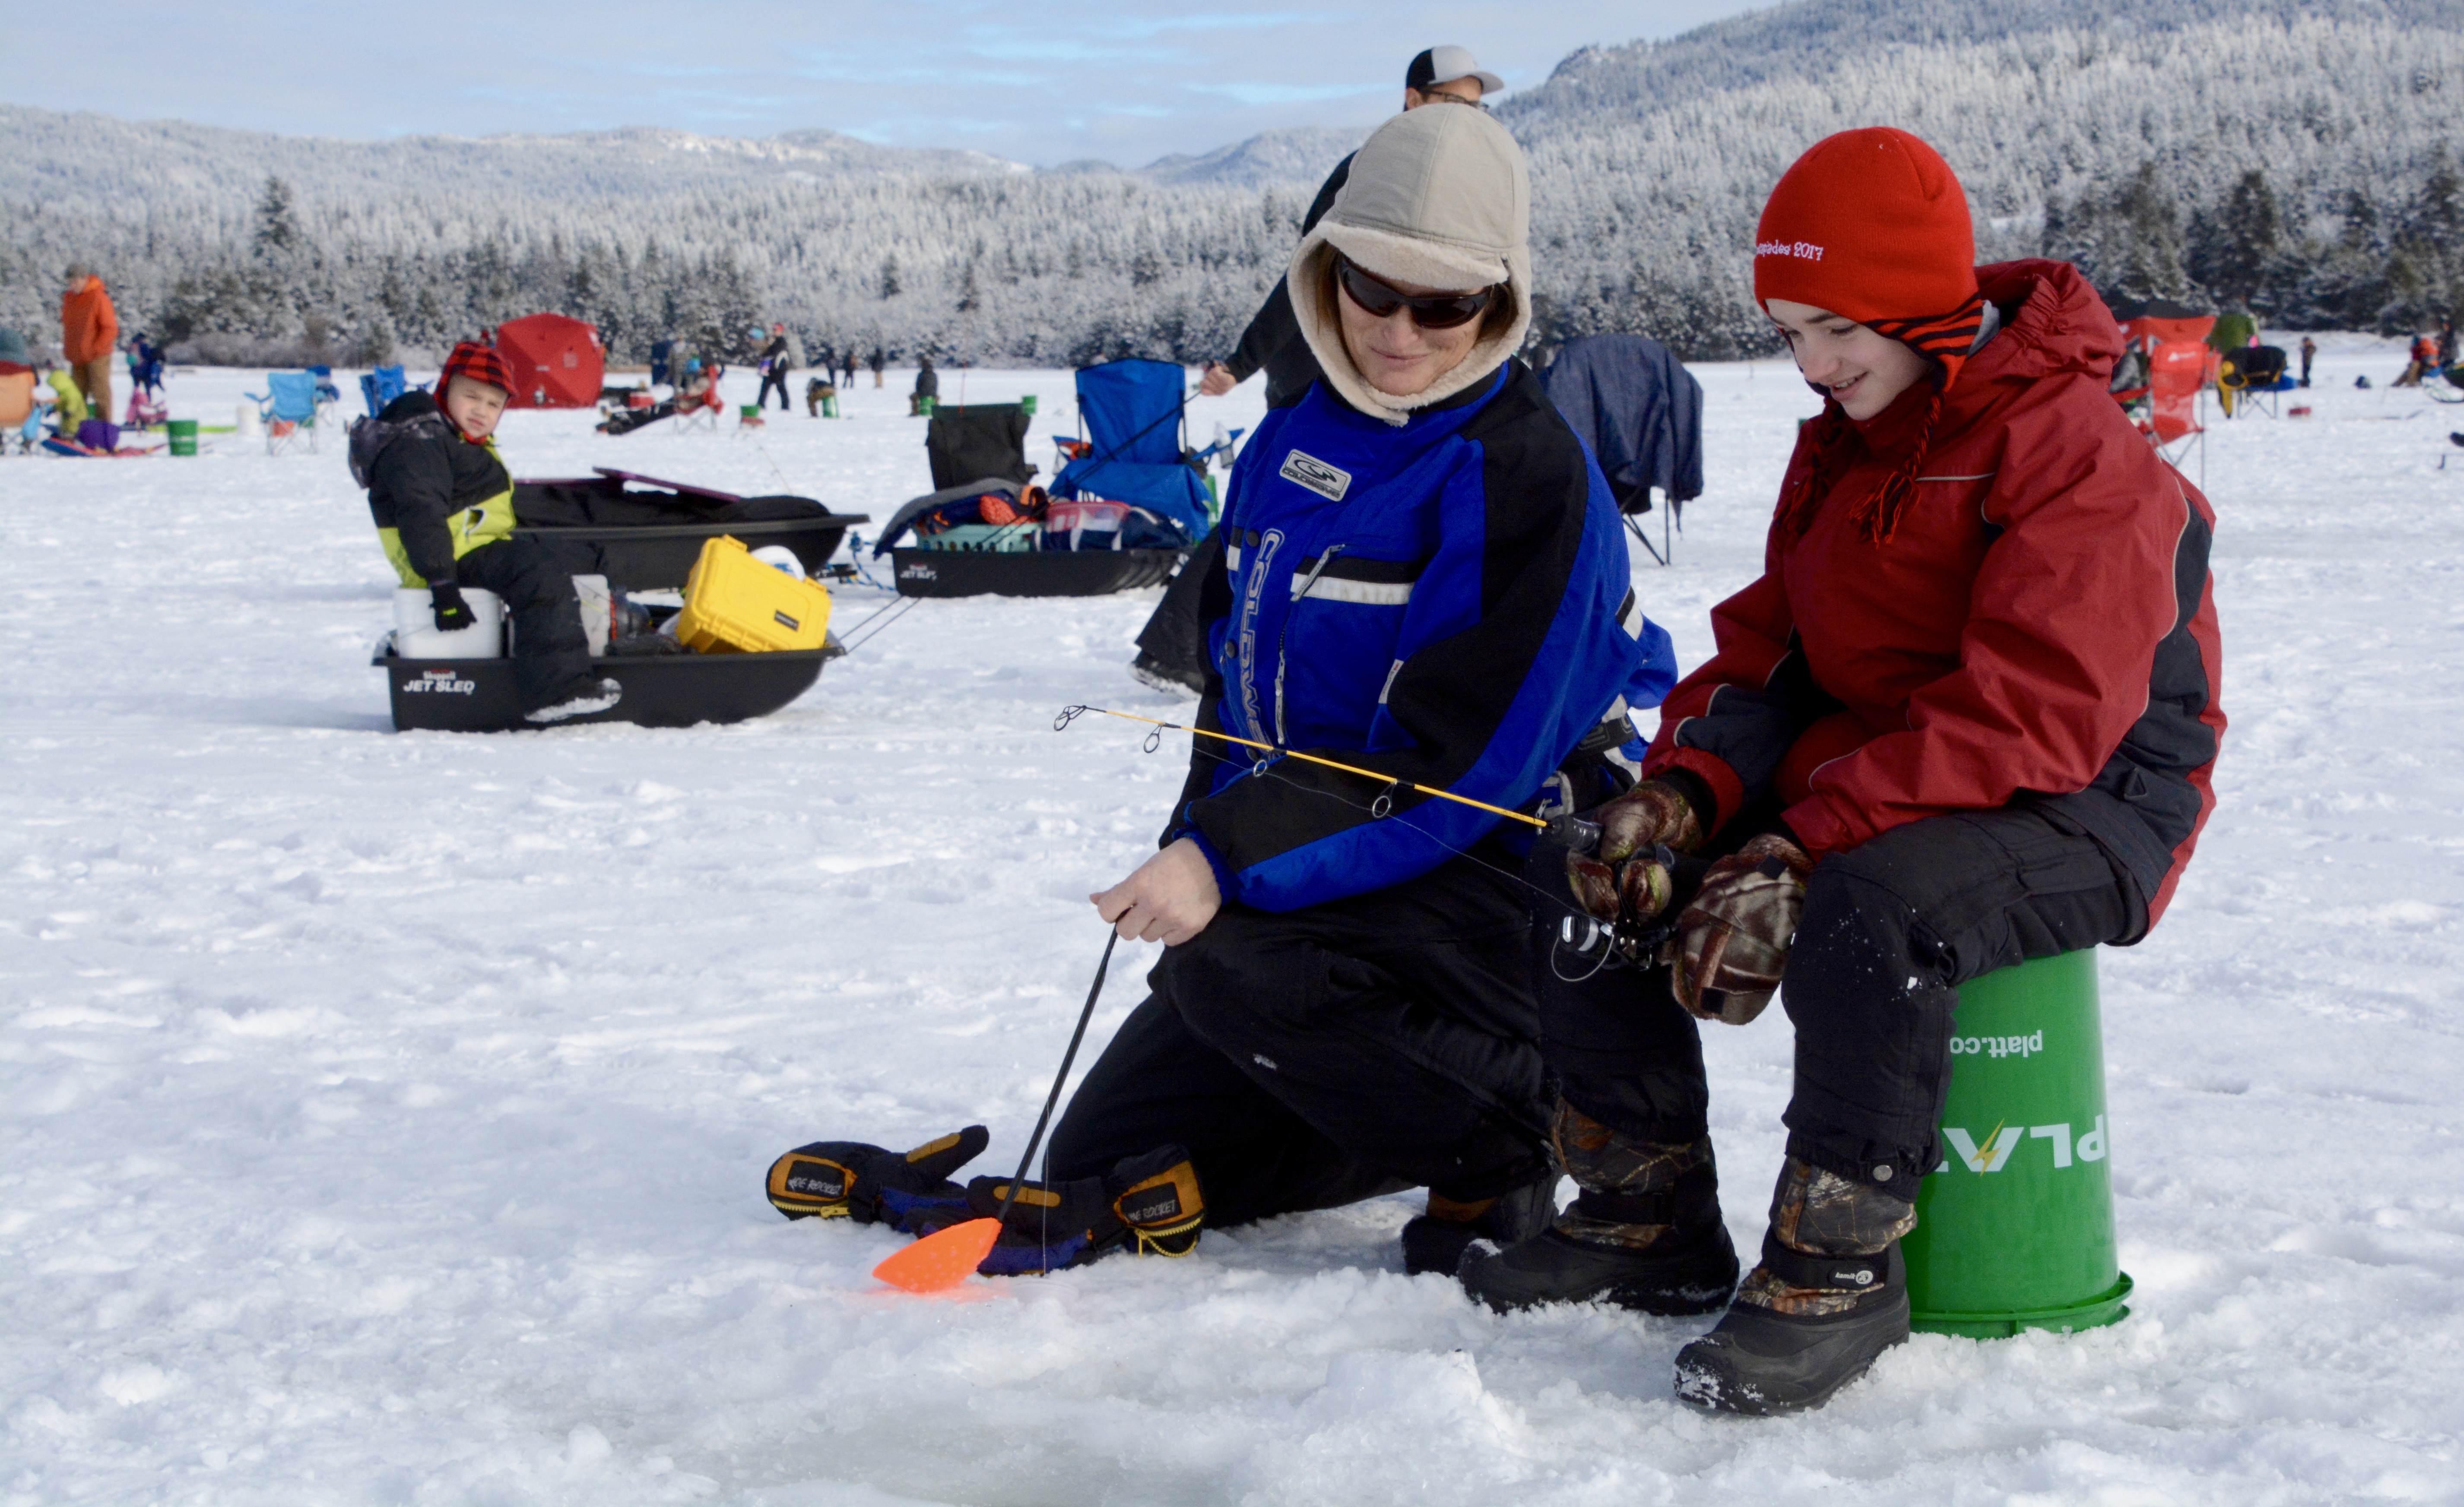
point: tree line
(2295, 166)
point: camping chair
(1134, 413)
(978, 442)
(705, 409)
(1642, 413)
(2177, 372)
(382, 387)
(2251, 376)
(289, 408)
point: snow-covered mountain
(2295, 156)
(1300, 155)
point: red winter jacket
(2041, 627)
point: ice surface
(382, 1116)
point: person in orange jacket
(89, 334)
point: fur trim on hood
(1439, 197)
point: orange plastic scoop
(942, 1259)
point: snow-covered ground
(382, 1116)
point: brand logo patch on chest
(1307, 471)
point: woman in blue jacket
(1424, 575)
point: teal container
(184, 436)
(1027, 402)
(2015, 1229)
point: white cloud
(1044, 83)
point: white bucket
(598, 610)
(414, 628)
(245, 425)
(778, 557)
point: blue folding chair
(290, 411)
(382, 387)
(1133, 417)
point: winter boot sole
(1554, 1268)
(1762, 1364)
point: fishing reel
(1630, 940)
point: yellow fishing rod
(1381, 807)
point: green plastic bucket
(184, 436)
(1027, 402)
(2015, 1229)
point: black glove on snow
(445, 599)
(1152, 1200)
(848, 1179)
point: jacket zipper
(1283, 637)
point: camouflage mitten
(1731, 944)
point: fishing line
(1382, 807)
(1606, 937)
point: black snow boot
(1644, 1233)
(1830, 1294)
(1436, 1241)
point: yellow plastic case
(733, 603)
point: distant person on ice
(444, 506)
(1170, 655)
(775, 367)
(1424, 576)
(89, 337)
(1967, 716)
(2309, 352)
(928, 385)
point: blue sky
(1037, 80)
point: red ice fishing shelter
(556, 362)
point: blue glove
(1150, 1203)
(909, 1190)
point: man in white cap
(1170, 655)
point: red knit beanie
(479, 363)
(1871, 224)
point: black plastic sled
(668, 690)
(1028, 572)
(646, 533)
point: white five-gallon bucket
(414, 628)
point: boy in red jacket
(1966, 716)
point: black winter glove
(1152, 1200)
(847, 1179)
(445, 599)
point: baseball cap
(1444, 64)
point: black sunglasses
(1439, 311)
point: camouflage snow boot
(1643, 1232)
(1828, 1296)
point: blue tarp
(1639, 409)
(1133, 413)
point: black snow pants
(774, 378)
(534, 578)
(1174, 640)
(1312, 1060)
(1891, 929)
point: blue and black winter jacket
(1440, 603)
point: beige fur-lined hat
(1439, 197)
